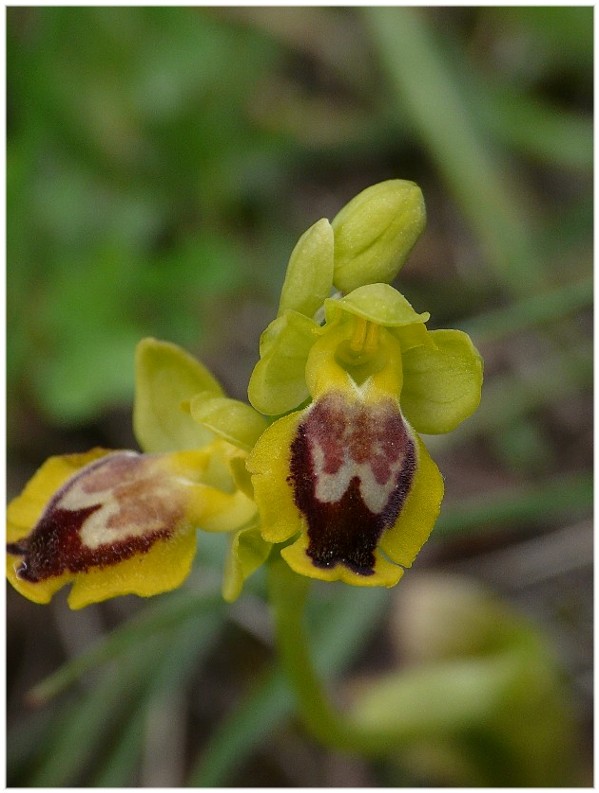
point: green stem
(288, 593)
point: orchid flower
(326, 463)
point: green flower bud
(375, 232)
(309, 275)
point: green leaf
(520, 508)
(547, 307)
(82, 730)
(82, 726)
(166, 612)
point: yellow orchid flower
(326, 462)
(344, 474)
(121, 522)
(347, 475)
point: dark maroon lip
(54, 546)
(351, 437)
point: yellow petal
(247, 552)
(379, 303)
(375, 231)
(357, 356)
(25, 510)
(351, 468)
(230, 419)
(337, 474)
(277, 384)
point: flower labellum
(352, 467)
(347, 477)
(116, 507)
(115, 523)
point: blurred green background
(162, 163)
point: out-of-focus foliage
(161, 164)
(134, 165)
(153, 152)
(480, 700)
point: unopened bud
(310, 271)
(375, 232)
